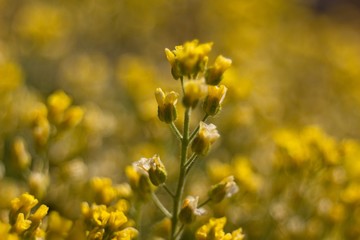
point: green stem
(204, 203)
(191, 162)
(182, 175)
(168, 190)
(176, 130)
(160, 205)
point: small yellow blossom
(188, 59)
(21, 224)
(126, 234)
(213, 230)
(214, 99)
(22, 204)
(214, 74)
(166, 105)
(57, 103)
(73, 116)
(194, 90)
(21, 155)
(116, 220)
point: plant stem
(160, 205)
(190, 163)
(168, 190)
(182, 175)
(176, 130)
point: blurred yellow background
(289, 127)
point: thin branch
(160, 205)
(204, 203)
(168, 190)
(176, 131)
(191, 159)
(181, 229)
(191, 162)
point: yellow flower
(22, 204)
(213, 230)
(73, 116)
(58, 102)
(188, 59)
(40, 213)
(21, 155)
(126, 234)
(116, 220)
(100, 216)
(166, 105)
(21, 224)
(194, 90)
(214, 99)
(206, 137)
(104, 192)
(214, 74)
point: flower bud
(214, 99)
(21, 156)
(154, 168)
(189, 210)
(157, 172)
(224, 189)
(206, 137)
(166, 105)
(213, 75)
(194, 90)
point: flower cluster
(107, 222)
(213, 230)
(24, 222)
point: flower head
(214, 230)
(189, 210)
(224, 189)
(207, 135)
(188, 59)
(154, 168)
(214, 99)
(214, 74)
(194, 90)
(166, 105)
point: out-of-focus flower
(58, 102)
(207, 135)
(166, 105)
(214, 230)
(225, 189)
(213, 75)
(104, 191)
(190, 210)
(194, 90)
(58, 226)
(214, 99)
(139, 181)
(188, 59)
(73, 116)
(21, 156)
